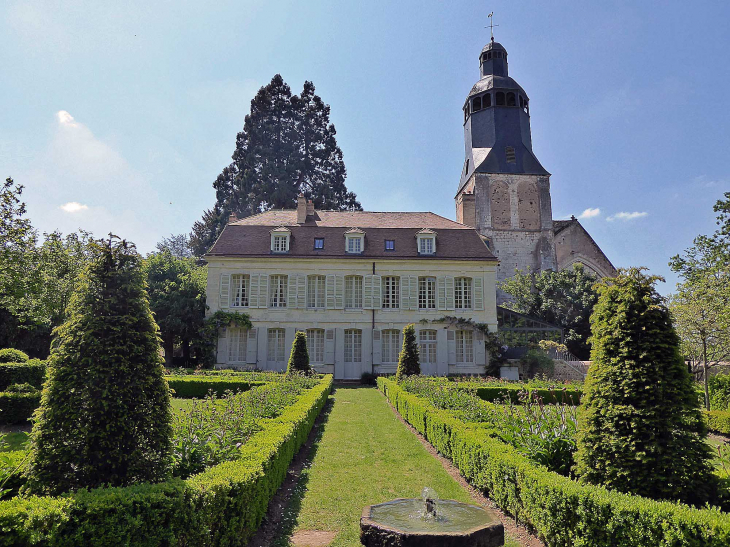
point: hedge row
(187, 387)
(223, 505)
(562, 511)
(13, 463)
(569, 394)
(16, 408)
(718, 421)
(32, 372)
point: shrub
(564, 512)
(105, 414)
(188, 387)
(639, 407)
(718, 421)
(719, 387)
(18, 408)
(10, 355)
(536, 361)
(368, 378)
(32, 372)
(408, 363)
(299, 357)
(12, 472)
(21, 388)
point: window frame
(353, 345)
(464, 293)
(320, 291)
(242, 339)
(391, 292)
(464, 340)
(426, 239)
(240, 292)
(392, 242)
(356, 290)
(277, 235)
(428, 348)
(278, 294)
(318, 240)
(428, 294)
(390, 349)
(352, 238)
(280, 339)
(315, 345)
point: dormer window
(319, 243)
(280, 240)
(426, 240)
(354, 241)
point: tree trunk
(705, 370)
(168, 344)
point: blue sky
(130, 109)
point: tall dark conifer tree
(287, 147)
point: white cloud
(590, 213)
(627, 216)
(64, 118)
(74, 207)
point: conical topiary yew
(640, 429)
(299, 357)
(408, 360)
(105, 415)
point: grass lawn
(15, 441)
(364, 455)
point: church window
(486, 100)
(510, 153)
(511, 99)
(500, 98)
(477, 103)
(390, 244)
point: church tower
(504, 191)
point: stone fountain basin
(377, 529)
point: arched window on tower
(511, 99)
(489, 55)
(476, 103)
(486, 100)
(500, 98)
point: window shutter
(480, 354)
(449, 292)
(414, 292)
(404, 292)
(478, 293)
(377, 348)
(253, 291)
(222, 347)
(263, 291)
(291, 285)
(367, 292)
(225, 291)
(451, 344)
(329, 347)
(252, 346)
(442, 293)
(301, 291)
(339, 292)
(330, 291)
(377, 292)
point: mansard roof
(250, 236)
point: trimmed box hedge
(493, 394)
(32, 372)
(188, 387)
(718, 421)
(223, 505)
(17, 408)
(562, 511)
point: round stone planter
(462, 525)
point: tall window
(427, 346)
(277, 291)
(391, 292)
(315, 345)
(390, 346)
(464, 346)
(353, 346)
(279, 244)
(239, 290)
(237, 339)
(276, 346)
(426, 293)
(462, 293)
(426, 245)
(315, 291)
(353, 292)
(354, 245)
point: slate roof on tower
(250, 236)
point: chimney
(232, 218)
(301, 209)
(310, 208)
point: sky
(118, 116)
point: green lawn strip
(365, 456)
(15, 441)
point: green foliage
(718, 421)
(223, 505)
(536, 361)
(639, 407)
(408, 359)
(564, 298)
(719, 387)
(105, 416)
(18, 408)
(563, 512)
(492, 344)
(32, 372)
(287, 147)
(10, 355)
(299, 356)
(189, 387)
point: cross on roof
(491, 25)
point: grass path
(365, 455)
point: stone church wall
(574, 245)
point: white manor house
(351, 281)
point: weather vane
(491, 25)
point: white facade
(354, 311)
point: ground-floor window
(276, 346)
(464, 347)
(315, 345)
(353, 346)
(390, 346)
(237, 345)
(427, 347)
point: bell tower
(504, 191)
